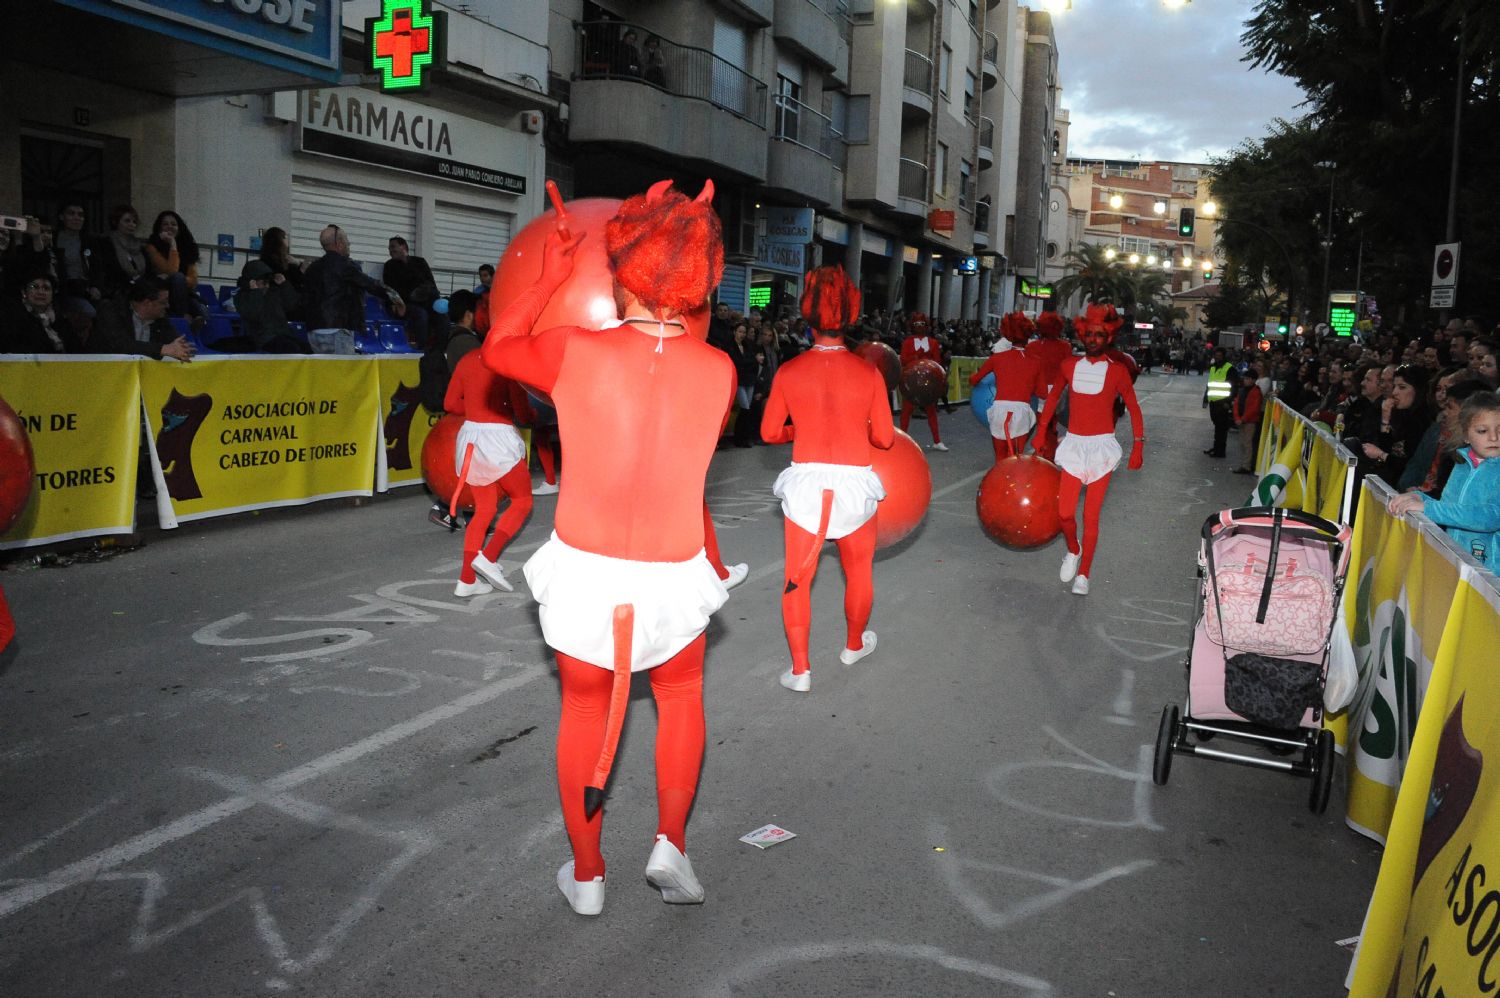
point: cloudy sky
(1143, 81)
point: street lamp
(1187, 259)
(1134, 258)
(1116, 201)
(1150, 259)
(1160, 207)
(1110, 254)
(1332, 169)
(1210, 209)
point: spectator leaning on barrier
(138, 325)
(33, 324)
(333, 298)
(1469, 508)
(1246, 410)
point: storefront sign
(301, 35)
(783, 257)
(789, 225)
(372, 128)
(941, 221)
(405, 44)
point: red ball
(437, 461)
(886, 360)
(587, 297)
(1017, 502)
(924, 383)
(17, 466)
(908, 488)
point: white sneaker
(545, 489)
(669, 871)
(939, 446)
(476, 588)
(737, 575)
(867, 644)
(586, 898)
(797, 682)
(1081, 586)
(492, 571)
(1069, 567)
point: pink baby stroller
(1271, 580)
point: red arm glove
(882, 427)
(985, 368)
(1137, 423)
(510, 348)
(773, 425)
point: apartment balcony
(818, 29)
(989, 61)
(685, 103)
(806, 155)
(911, 189)
(758, 12)
(986, 143)
(916, 86)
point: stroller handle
(1338, 533)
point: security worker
(1217, 397)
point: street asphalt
(274, 754)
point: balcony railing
(982, 217)
(604, 53)
(838, 12)
(986, 133)
(918, 74)
(991, 48)
(911, 184)
(810, 129)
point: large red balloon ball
(908, 489)
(886, 361)
(1017, 502)
(437, 461)
(17, 466)
(587, 297)
(924, 383)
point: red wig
(919, 323)
(1099, 317)
(1049, 325)
(666, 250)
(1017, 327)
(830, 301)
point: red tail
(805, 570)
(463, 476)
(619, 699)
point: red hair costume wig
(919, 323)
(1017, 327)
(667, 250)
(1099, 318)
(830, 301)
(1049, 326)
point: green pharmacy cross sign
(405, 43)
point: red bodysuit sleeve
(1127, 394)
(453, 401)
(1039, 387)
(882, 427)
(988, 367)
(774, 428)
(520, 403)
(512, 349)
(1064, 376)
(908, 351)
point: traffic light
(1185, 222)
(1284, 324)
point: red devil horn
(658, 190)
(705, 196)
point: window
(940, 172)
(974, 13)
(857, 127)
(788, 109)
(945, 69)
(965, 170)
(970, 108)
(1137, 244)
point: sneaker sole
(498, 581)
(672, 891)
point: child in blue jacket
(1470, 505)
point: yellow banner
(251, 432)
(83, 417)
(404, 423)
(1433, 926)
(1403, 586)
(1299, 466)
(959, 370)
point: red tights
(1009, 448)
(544, 442)
(1067, 508)
(677, 685)
(711, 545)
(516, 483)
(907, 409)
(857, 555)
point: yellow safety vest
(1219, 385)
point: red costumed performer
(1049, 350)
(624, 584)
(1018, 378)
(491, 457)
(921, 345)
(1089, 453)
(839, 408)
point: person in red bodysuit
(1089, 453)
(1049, 350)
(921, 345)
(839, 409)
(490, 405)
(624, 584)
(1018, 378)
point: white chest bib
(920, 344)
(1088, 376)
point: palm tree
(1148, 293)
(1091, 272)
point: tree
(1091, 272)
(1231, 307)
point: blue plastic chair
(367, 340)
(218, 327)
(299, 330)
(209, 297)
(226, 295)
(393, 336)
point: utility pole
(1450, 231)
(1323, 307)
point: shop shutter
(465, 237)
(733, 289)
(370, 218)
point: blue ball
(440, 306)
(982, 398)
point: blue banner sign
(298, 35)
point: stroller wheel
(1166, 733)
(1322, 773)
